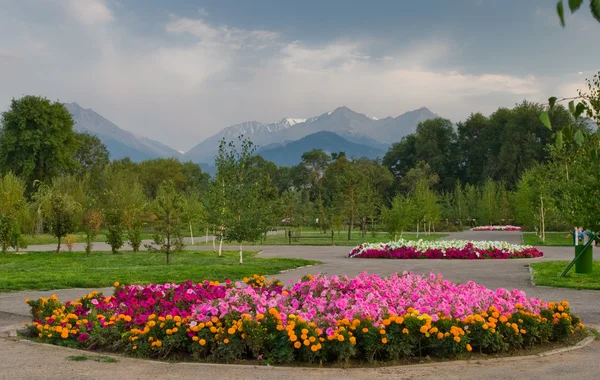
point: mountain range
(282, 142)
(355, 127)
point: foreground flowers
(496, 228)
(316, 319)
(444, 249)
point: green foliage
(62, 215)
(37, 141)
(169, 210)
(398, 217)
(91, 155)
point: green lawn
(46, 271)
(547, 274)
(556, 239)
(315, 238)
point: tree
(195, 213)
(91, 155)
(114, 206)
(37, 141)
(134, 202)
(240, 183)
(62, 215)
(398, 217)
(13, 209)
(344, 182)
(169, 209)
(316, 162)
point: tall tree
(169, 209)
(13, 208)
(91, 155)
(37, 141)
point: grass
(38, 239)
(547, 274)
(97, 358)
(315, 238)
(554, 239)
(45, 270)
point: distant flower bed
(326, 319)
(444, 249)
(496, 228)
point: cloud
(88, 12)
(197, 77)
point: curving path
(25, 361)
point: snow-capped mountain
(355, 127)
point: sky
(179, 71)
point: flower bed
(444, 249)
(316, 319)
(496, 228)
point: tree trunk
(58, 247)
(542, 227)
(395, 236)
(241, 256)
(220, 245)
(168, 250)
(418, 229)
(364, 226)
(206, 241)
(191, 233)
(350, 226)
(214, 242)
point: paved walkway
(25, 361)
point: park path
(28, 361)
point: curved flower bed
(496, 228)
(316, 319)
(444, 249)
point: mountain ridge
(353, 126)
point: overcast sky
(178, 71)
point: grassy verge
(312, 238)
(555, 239)
(547, 274)
(79, 238)
(46, 271)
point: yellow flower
(353, 340)
(440, 335)
(382, 331)
(202, 342)
(522, 331)
(365, 330)
(340, 338)
(469, 348)
(225, 340)
(405, 331)
(384, 340)
(293, 338)
(116, 284)
(457, 339)
(297, 345)
(312, 339)
(314, 348)
(307, 342)
(134, 347)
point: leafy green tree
(169, 209)
(62, 215)
(91, 155)
(195, 213)
(241, 192)
(135, 203)
(345, 182)
(13, 210)
(397, 218)
(37, 141)
(114, 206)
